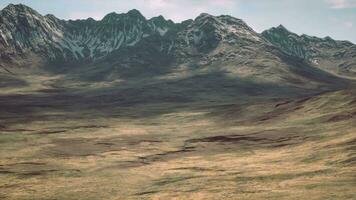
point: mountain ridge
(335, 56)
(129, 39)
(154, 25)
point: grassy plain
(159, 139)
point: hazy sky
(335, 18)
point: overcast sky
(335, 18)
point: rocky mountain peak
(205, 19)
(278, 31)
(161, 26)
(211, 34)
(23, 29)
(18, 8)
(337, 56)
(161, 21)
(112, 17)
(203, 16)
(13, 12)
(281, 27)
(135, 13)
(224, 25)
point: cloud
(349, 24)
(157, 4)
(86, 14)
(341, 4)
(179, 10)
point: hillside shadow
(146, 100)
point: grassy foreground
(56, 144)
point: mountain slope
(338, 57)
(129, 45)
(23, 30)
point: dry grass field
(128, 142)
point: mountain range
(128, 43)
(133, 108)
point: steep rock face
(99, 38)
(289, 42)
(207, 32)
(24, 30)
(338, 57)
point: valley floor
(59, 144)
